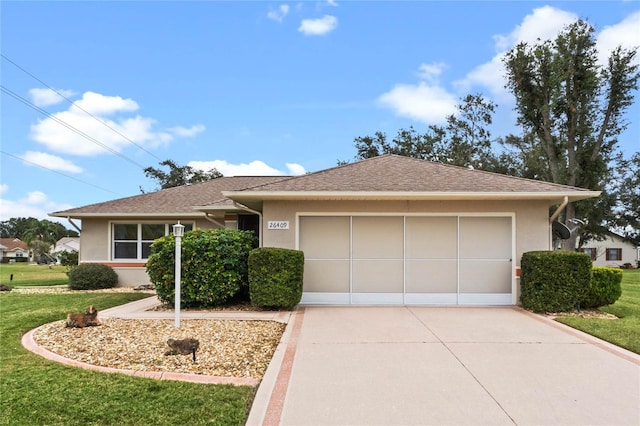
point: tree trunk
(570, 213)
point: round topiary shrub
(214, 266)
(92, 276)
(604, 288)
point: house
(68, 244)
(614, 251)
(385, 230)
(14, 250)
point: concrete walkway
(426, 365)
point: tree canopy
(178, 175)
(30, 228)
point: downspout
(555, 215)
(74, 225)
(212, 220)
(245, 208)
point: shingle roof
(10, 244)
(391, 173)
(177, 200)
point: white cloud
(112, 110)
(278, 14)
(320, 26)
(187, 131)
(430, 104)
(4, 188)
(295, 169)
(254, 168)
(626, 34)
(431, 72)
(50, 162)
(46, 97)
(333, 3)
(35, 204)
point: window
(591, 251)
(614, 254)
(133, 240)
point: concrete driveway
(426, 365)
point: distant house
(386, 230)
(614, 251)
(68, 244)
(14, 250)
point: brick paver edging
(29, 343)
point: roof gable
(10, 244)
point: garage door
(448, 260)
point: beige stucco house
(613, 251)
(14, 250)
(386, 230)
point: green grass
(35, 391)
(624, 332)
(30, 275)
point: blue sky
(247, 87)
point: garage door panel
(330, 276)
(378, 237)
(485, 276)
(431, 237)
(325, 237)
(377, 276)
(485, 237)
(431, 276)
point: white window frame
(139, 241)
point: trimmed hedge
(554, 281)
(604, 287)
(92, 276)
(275, 277)
(214, 266)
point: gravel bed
(227, 348)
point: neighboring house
(614, 251)
(14, 250)
(386, 230)
(69, 244)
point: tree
(571, 110)
(18, 227)
(628, 214)
(463, 141)
(178, 175)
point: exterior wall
(95, 247)
(532, 230)
(629, 252)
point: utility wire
(55, 171)
(68, 126)
(79, 107)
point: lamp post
(178, 231)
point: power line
(68, 126)
(78, 107)
(55, 171)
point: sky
(94, 92)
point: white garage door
(449, 260)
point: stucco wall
(629, 252)
(95, 248)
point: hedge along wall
(554, 281)
(214, 266)
(275, 277)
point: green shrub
(604, 288)
(68, 258)
(214, 266)
(554, 281)
(92, 276)
(275, 277)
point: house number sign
(278, 224)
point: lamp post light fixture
(178, 232)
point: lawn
(26, 274)
(35, 391)
(625, 331)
